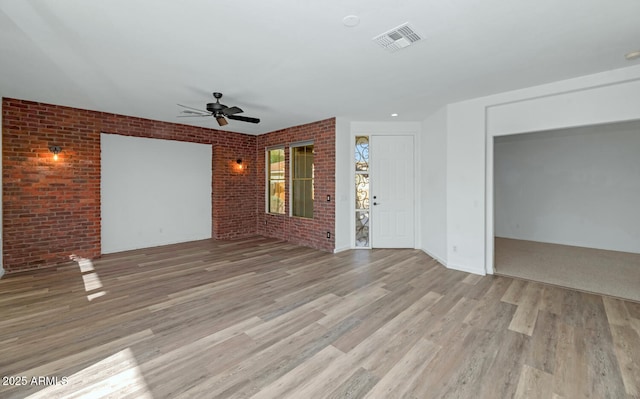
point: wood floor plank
(627, 349)
(379, 352)
(117, 374)
(480, 289)
(617, 312)
(633, 308)
(514, 292)
(534, 383)
(524, 319)
(544, 340)
(336, 373)
(402, 378)
(504, 372)
(469, 377)
(378, 314)
(169, 359)
(442, 326)
(635, 324)
(356, 386)
(259, 317)
(79, 359)
(570, 378)
(341, 309)
(602, 362)
(262, 368)
(472, 279)
(551, 300)
(285, 385)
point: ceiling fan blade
(193, 113)
(231, 110)
(192, 116)
(244, 118)
(195, 109)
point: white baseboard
(434, 256)
(341, 249)
(466, 269)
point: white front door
(392, 192)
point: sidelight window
(362, 191)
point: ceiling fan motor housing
(215, 107)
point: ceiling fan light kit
(219, 111)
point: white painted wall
(153, 192)
(575, 186)
(595, 99)
(579, 107)
(432, 199)
(344, 183)
(465, 187)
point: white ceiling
(290, 62)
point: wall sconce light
(56, 149)
(239, 162)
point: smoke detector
(398, 38)
(351, 21)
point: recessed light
(632, 55)
(351, 20)
(394, 114)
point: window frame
(269, 180)
(292, 178)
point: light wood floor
(265, 319)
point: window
(275, 180)
(302, 180)
(362, 191)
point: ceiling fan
(218, 111)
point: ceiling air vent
(398, 38)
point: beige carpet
(586, 269)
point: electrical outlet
(328, 234)
(328, 198)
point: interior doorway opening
(565, 207)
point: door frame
(385, 129)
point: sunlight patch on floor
(89, 277)
(91, 282)
(115, 377)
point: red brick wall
(308, 232)
(234, 190)
(52, 209)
